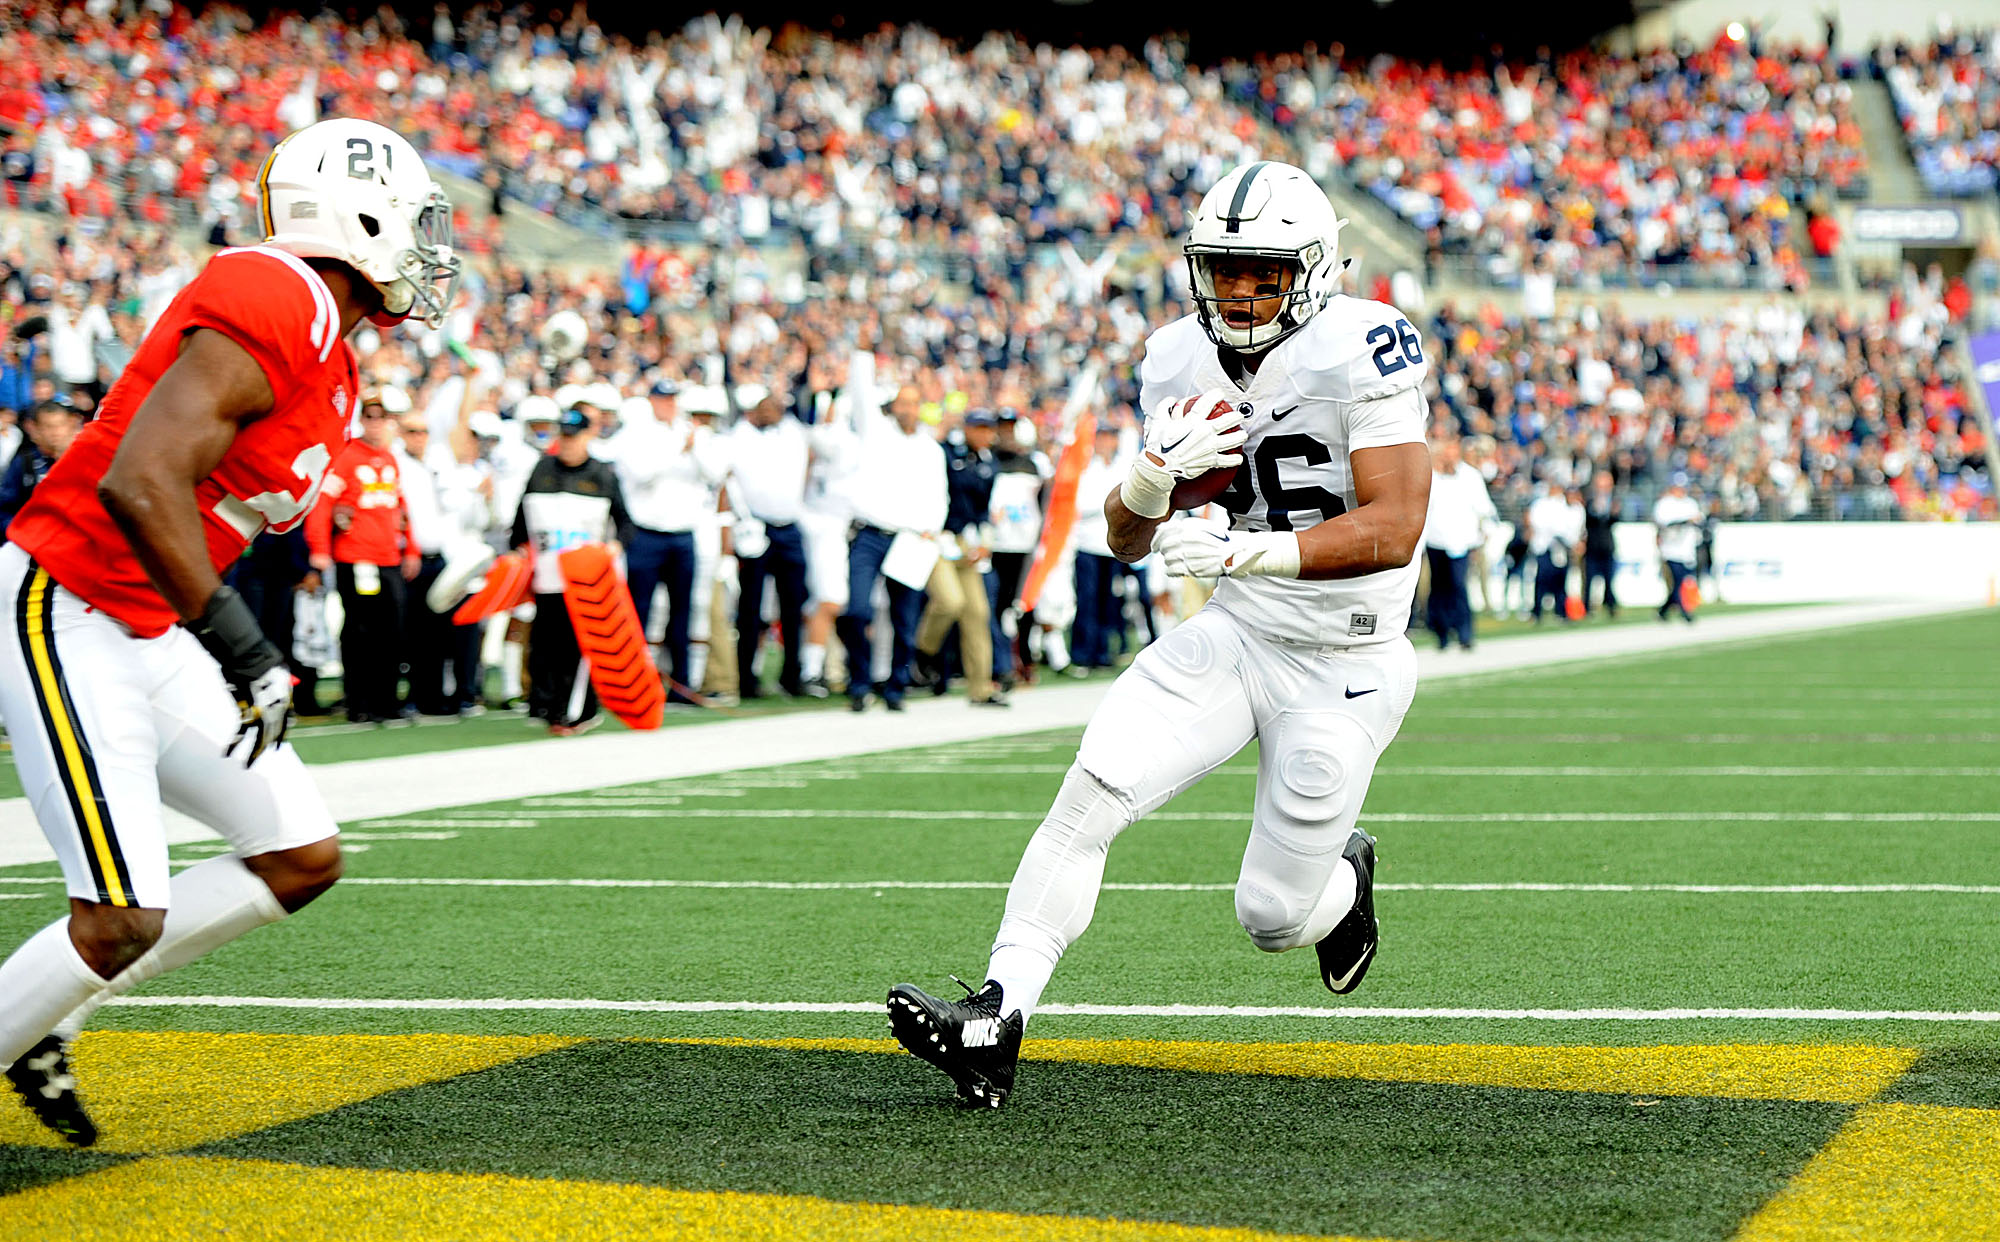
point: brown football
(1204, 488)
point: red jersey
(277, 308)
(364, 484)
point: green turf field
(1693, 946)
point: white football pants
(1188, 702)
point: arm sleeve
(275, 307)
(1382, 421)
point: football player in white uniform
(1316, 400)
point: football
(1204, 488)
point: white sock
(1057, 649)
(209, 905)
(1334, 903)
(42, 981)
(1022, 973)
(510, 669)
(697, 665)
(1055, 888)
(812, 661)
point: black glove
(253, 667)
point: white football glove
(1195, 548)
(254, 669)
(1182, 442)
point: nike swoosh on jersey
(1277, 415)
(1355, 694)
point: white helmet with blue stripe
(1264, 210)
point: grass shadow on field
(1313, 1156)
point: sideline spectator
(899, 491)
(769, 458)
(958, 588)
(1679, 519)
(1600, 545)
(572, 499)
(50, 427)
(1460, 511)
(359, 532)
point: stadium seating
(1948, 97)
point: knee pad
(1272, 917)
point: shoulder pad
(1172, 353)
(1357, 350)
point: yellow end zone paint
(1912, 1172)
(157, 1091)
(191, 1197)
(1834, 1073)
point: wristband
(1148, 491)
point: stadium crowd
(1710, 164)
(1947, 94)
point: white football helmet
(357, 192)
(1268, 210)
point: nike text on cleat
(967, 1039)
(1346, 951)
(42, 1079)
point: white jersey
(1350, 379)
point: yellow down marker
(1912, 1172)
(1836, 1073)
(193, 1197)
(157, 1091)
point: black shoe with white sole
(967, 1039)
(1346, 951)
(43, 1080)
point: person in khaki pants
(957, 587)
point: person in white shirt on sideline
(1554, 527)
(766, 490)
(1460, 511)
(1678, 516)
(669, 480)
(514, 458)
(424, 632)
(1098, 611)
(899, 486)
(703, 407)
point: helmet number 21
(361, 159)
(1401, 335)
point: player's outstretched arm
(177, 437)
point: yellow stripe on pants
(88, 796)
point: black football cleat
(967, 1039)
(45, 1085)
(1346, 951)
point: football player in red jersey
(130, 676)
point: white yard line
(853, 772)
(406, 784)
(467, 1004)
(641, 808)
(841, 886)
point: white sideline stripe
(1056, 769)
(346, 837)
(829, 886)
(1517, 886)
(1095, 1011)
(636, 808)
